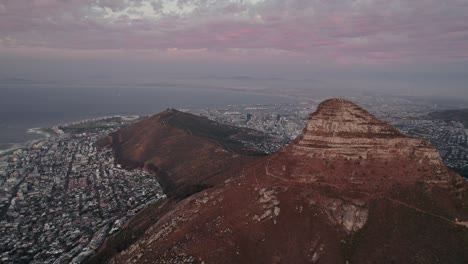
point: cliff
(340, 128)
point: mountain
(350, 189)
(187, 153)
(15, 81)
(460, 115)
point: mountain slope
(186, 152)
(460, 115)
(350, 189)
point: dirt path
(456, 222)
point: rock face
(350, 217)
(351, 189)
(340, 128)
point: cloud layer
(345, 31)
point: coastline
(17, 146)
(42, 132)
(39, 131)
(47, 132)
(9, 150)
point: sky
(412, 41)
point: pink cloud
(377, 30)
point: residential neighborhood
(60, 199)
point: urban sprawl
(61, 197)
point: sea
(24, 107)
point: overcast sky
(152, 39)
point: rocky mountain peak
(340, 128)
(341, 118)
(349, 183)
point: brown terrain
(187, 153)
(351, 189)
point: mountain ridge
(322, 200)
(184, 151)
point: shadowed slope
(460, 115)
(186, 152)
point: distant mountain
(350, 189)
(16, 80)
(23, 81)
(460, 115)
(244, 78)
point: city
(234, 131)
(62, 197)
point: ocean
(26, 106)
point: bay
(25, 106)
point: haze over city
(234, 131)
(405, 47)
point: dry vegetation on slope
(321, 200)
